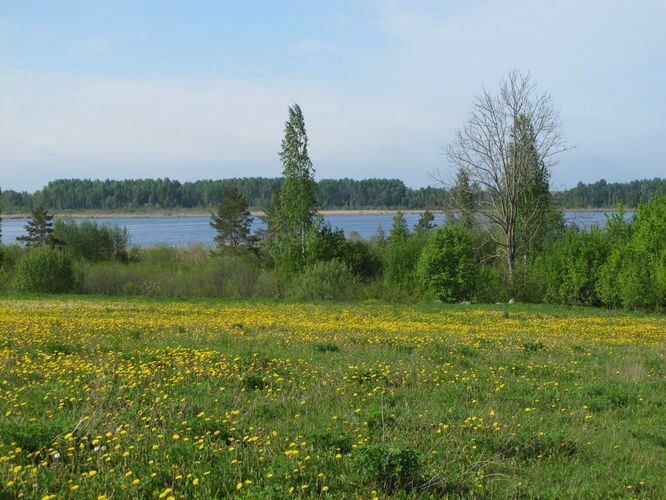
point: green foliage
(463, 198)
(184, 276)
(91, 241)
(603, 194)
(39, 230)
(10, 255)
(425, 223)
(45, 270)
(328, 347)
(533, 346)
(295, 214)
(393, 469)
(232, 221)
(401, 255)
(448, 268)
(362, 258)
(634, 276)
(33, 436)
(324, 280)
(490, 285)
(150, 194)
(399, 230)
(253, 382)
(571, 267)
(325, 243)
(610, 396)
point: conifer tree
(232, 221)
(39, 230)
(536, 215)
(463, 196)
(399, 229)
(426, 222)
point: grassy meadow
(127, 398)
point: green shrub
(447, 269)
(9, 258)
(361, 259)
(490, 285)
(91, 241)
(635, 274)
(217, 276)
(330, 280)
(45, 270)
(401, 258)
(325, 243)
(266, 284)
(571, 267)
(392, 469)
(328, 347)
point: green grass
(457, 416)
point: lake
(183, 231)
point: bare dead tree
(487, 151)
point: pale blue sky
(200, 89)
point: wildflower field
(111, 398)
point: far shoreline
(88, 214)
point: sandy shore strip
(87, 214)
(192, 213)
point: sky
(200, 89)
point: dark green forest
(142, 194)
(148, 194)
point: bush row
(620, 266)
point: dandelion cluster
(176, 399)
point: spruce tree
(39, 230)
(0, 226)
(536, 214)
(232, 221)
(399, 230)
(426, 222)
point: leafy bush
(9, 259)
(329, 280)
(91, 241)
(571, 267)
(490, 286)
(447, 269)
(393, 469)
(327, 347)
(226, 276)
(361, 259)
(401, 258)
(326, 243)
(635, 274)
(45, 270)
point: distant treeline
(142, 194)
(602, 194)
(166, 194)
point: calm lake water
(183, 231)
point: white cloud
(599, 60)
